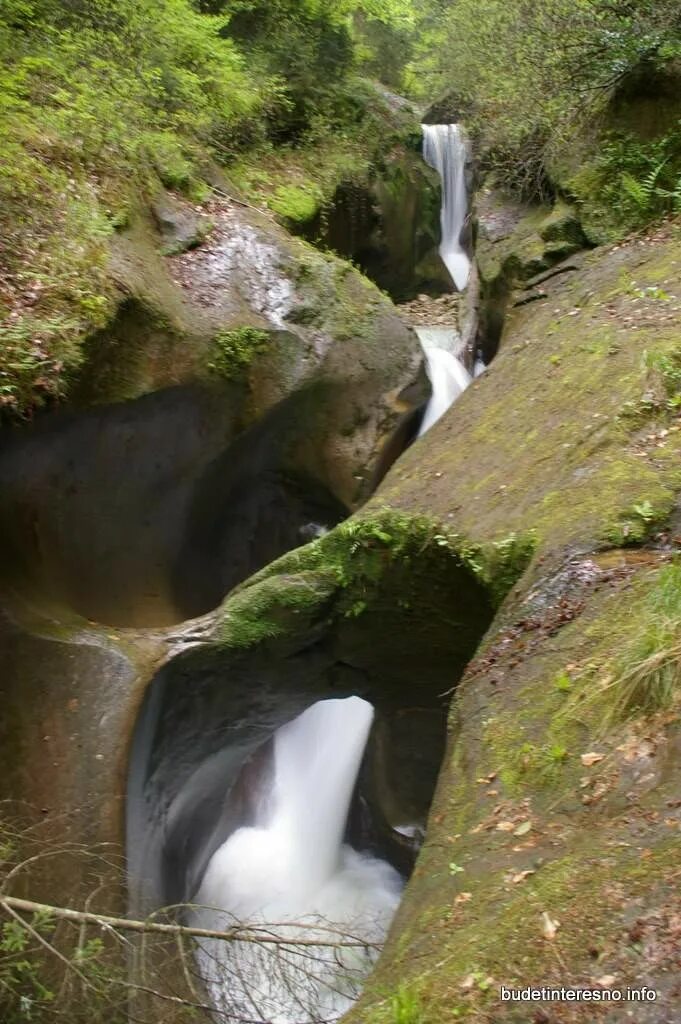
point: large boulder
(554, 834)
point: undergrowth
(97, 101)
(104, 102)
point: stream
(290, 864)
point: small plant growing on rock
(235, 350)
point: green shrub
(96, 101)
(535, 84)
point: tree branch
(246, 933)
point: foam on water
(292, 872)
(448, 376)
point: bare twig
(247, 933)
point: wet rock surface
(147, 513)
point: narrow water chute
(444, 148)
(449, 378)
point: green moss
(344, 574)
(297, 204)
(562, 225)
(335, 296)
(235, 350)
(640, 522)
(268, 608)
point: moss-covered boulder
(552, 842)
(622, 166)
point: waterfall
(448, 376)
(444, 148)
(292, 871)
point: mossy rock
(544, 837)
(297, 205)
(550, 832)
(564, 424)
(563, 226)
(181, 227)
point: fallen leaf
(606, 980)
(548, 926)
(521, 876)
(589, 759)
(523, 828)
(505, 826)
(463, 897)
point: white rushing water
(292, 870)
(449, 378)
(444, 148)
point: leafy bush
(95, 100)
(636, 181)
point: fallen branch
(245, 933)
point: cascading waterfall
(448, 376)
(444, 148)
(292, 872)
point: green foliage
(235, 351)
(647, 675)
(95, 101)
(99, 101)
(664, 369)
(638, 524)
(662, 394)
(635, 180)
(532, 81)
(500, 564)
(405, 1007)
(22, 970)
(311, 48)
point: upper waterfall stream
(292, 872)
(444, 148)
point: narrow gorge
(340, 515)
